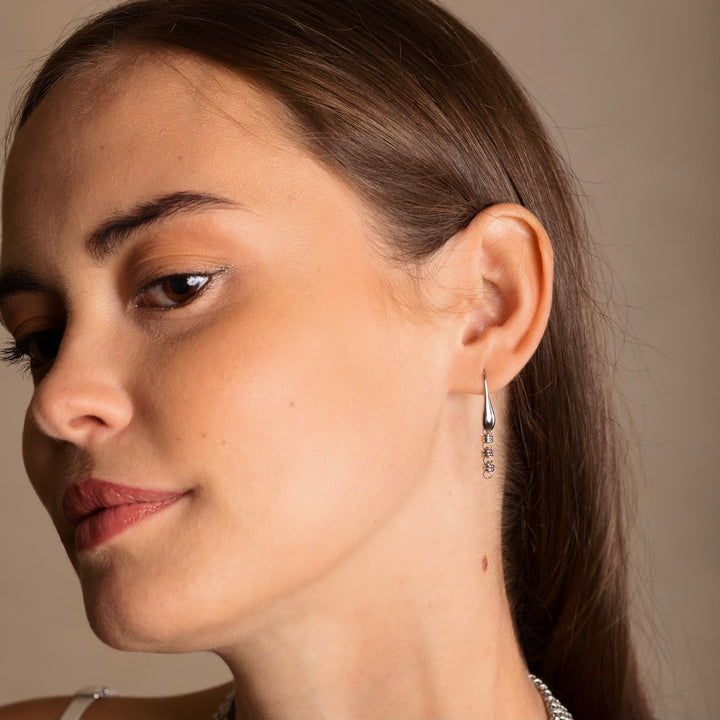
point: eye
(172, 291)
(34, 352)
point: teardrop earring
(488, 425)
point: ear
(500, 270)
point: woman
(318, 381)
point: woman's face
(271, 387)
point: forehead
(135, 123)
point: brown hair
(419, 114)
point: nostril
(79, 422)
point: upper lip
(91, 496)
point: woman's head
(282, 403)
(361, 194)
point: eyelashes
(36, 351)
(32, 351)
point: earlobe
(504, 272)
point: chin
(123, 625)
(141, 617)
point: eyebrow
(18, 280)
(108, 237)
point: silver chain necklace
(555, 709)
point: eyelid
(32, 310)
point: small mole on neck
(484, 563)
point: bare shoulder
(40, 709)
(193, 706)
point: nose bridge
(84, 393)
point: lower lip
(97, 529)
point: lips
(99, 510)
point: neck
(415, 624)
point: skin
(318, 406)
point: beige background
(631, 87)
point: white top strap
(83, 699)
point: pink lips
(99, 510)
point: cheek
(295, 426)
(294, 420)
(48, 472)
(41, 462)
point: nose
(82, 398)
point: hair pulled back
(420, 116)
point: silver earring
(488, 425)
